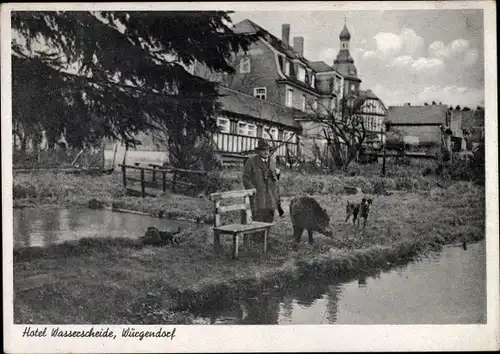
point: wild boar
(306, 213)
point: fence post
(383, 161)
(103, 157)
(154, 175)
(164, 182)
(124, 175)
(174, 178)
(143, 188)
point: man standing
(261, 174)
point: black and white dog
(358, 209)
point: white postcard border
(200, 338)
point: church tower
(344, 64)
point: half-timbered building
(244, 119)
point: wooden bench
(246, 227)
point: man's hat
(263, 145)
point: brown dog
(358, 209)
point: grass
(118, 281)
(66, 190)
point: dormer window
(301, 73)
(245, 65)
(287, 68)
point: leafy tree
(94, 75)
(426, 104)
(433, 103)
(466, 109)
(457, 108)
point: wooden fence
(157, 177)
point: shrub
(381, 185)
(20, 191)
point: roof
(344, 64)
(300, 84)
(320, 66)
(417, 114)
(368, 94)
(250, 26)
(345, 33)
(242, 104)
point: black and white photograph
(239, 170)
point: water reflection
(287, 305)
(450, 289)
(362, 281)
(332, 305)
(263, 310)
(39, 227)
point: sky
(403, 56)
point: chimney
(298, 45)
(285, 33)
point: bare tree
(345, 131)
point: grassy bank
(113, 281)
(67, 190)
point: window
(287, 68)
(242, 128)
(333, 105)
(336, 84)
(288, 137)
(303, 102)
(315, 105)
(289, 97)
(270, 132)
(247, 129)
(224, 125)
(252, 130)
(352, 87)
(260, 92)
(301, 74)
(312, 80)
(245, 65)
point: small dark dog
(156, 237)
(281, 212)
(358, 209)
